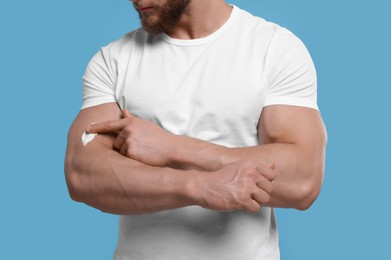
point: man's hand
(138, 139)
(243, 185)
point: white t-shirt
(214, 89)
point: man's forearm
(292, 141)
(299, 168)
(115, 184)
(106, 179)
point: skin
(157, 19)
(103, 178)
(199, 19)
(133, 166)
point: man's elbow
(308, 192)
(72, 181)
(309, 189)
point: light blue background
(45, 46)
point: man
(206, 119)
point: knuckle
(126, 130)
(121, 136)
(270, 187)
(248, 172)
(253, 207)
(269, 173)
(272, 173)
(246, 187)
(108, 125)
(242, 195)
(266, 185)
(249, 163)
(245, 164)
(266, 198)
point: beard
(163, 18)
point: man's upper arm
(296, 137)
(95, 114)
(77, 154)
(292, 124)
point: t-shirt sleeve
(99, 80)
(291, 75)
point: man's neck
(201, 18)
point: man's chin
(155, 27)
(152, 29)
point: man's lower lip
(145, 9)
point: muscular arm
(294, 138)
(101, 177)
(104, 179)
(291, 138)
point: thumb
(271, 166)
(126, 114)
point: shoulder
(275, 39)
(259, 30)
(119, 51)
(127, 41)
(252, 22)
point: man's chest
(210, 95)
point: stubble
(163, 18)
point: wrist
(188, 153)
(176, 151)
(192, 189)
(225, 156)
(184, 153)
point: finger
(252, 206)
(124, 150)
(261, 197)
(265, 184)
(127, 114)
(271, 166)
(119, 142)
(107, 127)
(267, 172)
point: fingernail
(89, 127)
